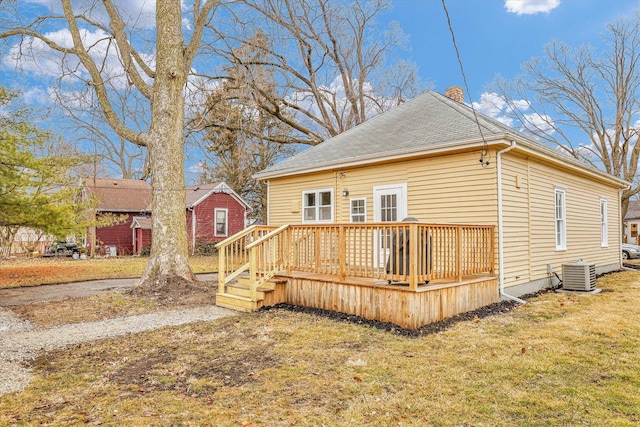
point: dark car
(62, 249)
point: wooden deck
(446, 271)
(394, 303)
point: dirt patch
(176, 291)
(168, 363)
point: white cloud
(33, 55)
(497, 107)
(494, 106)
(37, 96)
(335, 99)
(536, 123)
(140, 13)
(196, 168)
(530, 7)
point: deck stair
(237, 295)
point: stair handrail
(254, 281)
(225, 276)
(267, 236)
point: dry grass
(46, 271)
(90, 309)
(562, 359)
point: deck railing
(413, 253)
(233, 255)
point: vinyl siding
(453, 189)
(582, 219)
(516, 220)
(456, 189)
(430, 185)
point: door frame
(381, 254)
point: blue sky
(493, 39)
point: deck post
(414, 238)
(221, 270)
(342, 252)
(252, 274)
(286, 251)
(459, 253)
(316, 246)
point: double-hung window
(561, 218)
(317, 205)
(604, 233)
(221, 225)
(358, 210)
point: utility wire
(484, 155)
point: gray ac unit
(579, 276)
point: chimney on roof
(456, 93)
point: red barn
(213, 212)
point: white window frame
(560, 218)
(226, 222)
(317, 207)
(604, 217)
(364, 212)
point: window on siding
(317, 206)
(358, 210)
(221, 223)
(604, 233)
(561, 219)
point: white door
(389, 205)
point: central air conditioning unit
(579, 276)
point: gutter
(362, 160)
(500, 225)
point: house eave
(220, 188)
(544, 152)
(538, 150)
(127, 211)
(374, 158)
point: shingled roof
(431, 122)
(197, 193)
(634, 210)
(130, 195)
(119, 195)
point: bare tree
(596, 93)
(114, 155)
(236, 141)
(99, 32)
(330, 61)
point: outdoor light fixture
(345, 192)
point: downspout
(500, 225)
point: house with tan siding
(470, 182)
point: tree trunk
(169, 261)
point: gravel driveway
(20, 342)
